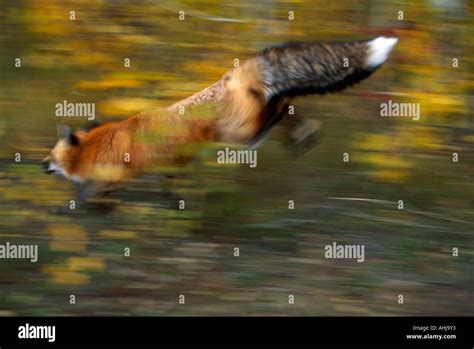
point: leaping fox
(240, 108)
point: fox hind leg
(301, 133)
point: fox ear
(65, 132)
(73, 139)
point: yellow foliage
(469, 138)
(387, 160)
(108, 83)
(125, 106)
(393, 176)
(68, 238)
(424, 137)
(64, 276)
(118, 234)
(85, 263)
(431, 103)
(211, 68)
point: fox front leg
(95, 189)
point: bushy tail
(254, 95)
(302, 68)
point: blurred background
(191, 251)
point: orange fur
(119, 150)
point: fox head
(62, 157)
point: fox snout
(45, 164)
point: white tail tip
(378, 50)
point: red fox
(240, 108)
